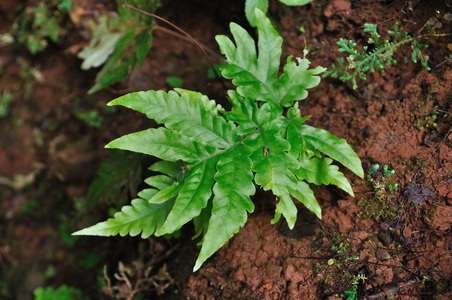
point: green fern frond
(256, 75)
(213, 159)
(140, 217)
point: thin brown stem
(184, 33)
(183, 37)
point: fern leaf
(336, 148)
(272, 162)
(254, 76)
(295, 138)
(168, 193)
(169, 168)
(189, 113)
(193, 196)
(159, 181)
(140, 217)
(303, 193)
(320, 171)
(201, 222)
(250, 7)
(287, 208)
(231, 200)
(147, 194)
(163, 143)
(292, 84)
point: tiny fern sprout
(212, 160)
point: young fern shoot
(212, 160)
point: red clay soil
(398, 243)
(387, 122)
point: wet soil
(398, 243)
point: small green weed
(384, 187)
(352, 292)
(62, 293)
(212, 160)
(44, 21)
(377, 54)
(119, 43)
(338, 249)
(388, 180)
(427, 114)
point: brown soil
(401, 242)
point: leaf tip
(198, 265)
(82, 232)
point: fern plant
(119, 43)
(359, 62)
(213, 159)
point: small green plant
(119, 43)
(384, 186)
(388, 180)
(381, 52)
(36, 25)
(62, 293)
(427, 115)
(213, 159)
(352, 292)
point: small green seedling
(352, 293)
(62, 293)
(119, 43)
(212, 159)
(381, 52)
(388, 179)
(38, 24)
